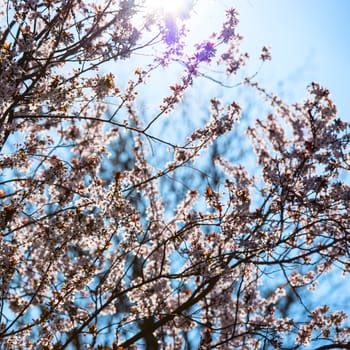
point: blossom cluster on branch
(84, 266)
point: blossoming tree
(84, 266)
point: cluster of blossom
(222, 120)
(95, 264)
(321, 325)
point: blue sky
(309, 39)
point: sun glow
(167, 6)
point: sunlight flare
(169, 7)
